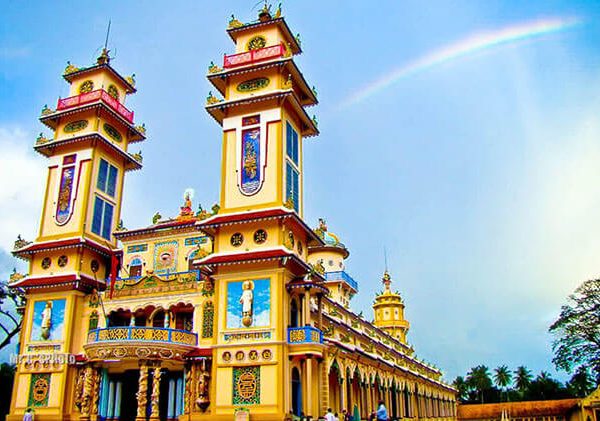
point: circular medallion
(253, 355)
(62, 261)
(266, 354)
(113, 91)
(237, 239)
(239, 355)
(227, 356)
(46, 262)
(94, 265)
(112, 132)
(257, 42)
(75, 126)
(260, 236)
(85, 87)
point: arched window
(135, 267)
(296, 392)
(294, 313)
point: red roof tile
(516, 409)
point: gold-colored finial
(104, 58)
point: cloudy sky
(462, 136)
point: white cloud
(22, 176)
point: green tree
(580, 384)
(544, 387)
(11, 300)
(479, 379)
(463, 389)
(502, 377)
(522, 378)
(576, 334)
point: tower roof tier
(73, 73)
(237, 31)
(287, 259)
(49, 147)
(78, 281)
(211, 225)
(29, 249)
(306, 95)
(222, 109)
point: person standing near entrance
(382, 414)
(28, 416)
(329, 415)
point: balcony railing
(142, 334)
(253, 56)
(304, 335)
(94, 96)
(343, 276)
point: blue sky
(479, 175)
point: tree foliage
(479, 380)
(577, 331)
(11, 299)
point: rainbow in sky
(464, 47)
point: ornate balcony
(160, 283)
(304, 334)
(95, 96)
(341, 276)
(135, 342)
(254, 56)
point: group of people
(380, 415)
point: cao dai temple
(243, 309)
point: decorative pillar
(324, 386)
(111, 400)
(118, 392)
(188, 393)
(179, 396)
(171, 400)
(306, 307)
(142, 392)
(320, 304)
(309, 383)
(342, 394)
(87, 395)
(154, 414)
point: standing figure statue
(246, 300)
(46, 321)
(203, 387)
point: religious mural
(248, 303)
(48, 320)
(250, 161)
(63, 206)
(165, 256)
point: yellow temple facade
(239, 311)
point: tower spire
(104, 58)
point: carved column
(188, 389)
(324, 386)
(142, 400)
(309, 386)
(154, 414)
(320, 305)
(306, 307)
(87, 394)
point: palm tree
(522, 378)
(461, 385)
(479, 379)
(502, 378)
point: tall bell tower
(75, 250)
(389, 311)
(263, 116)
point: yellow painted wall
(272, 35)
(275, 81)
(101, 80)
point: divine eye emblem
(166, 259)
(237, 239)
(112, 132)
(113, 91)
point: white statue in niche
(246, 300)
(46, 321)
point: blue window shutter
(296, 188)
(288, 139)
(102, 173)
(107, 222)
(288, 181)
(111, 187)
(97, 217)
(295, 147)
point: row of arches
(177, 316)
